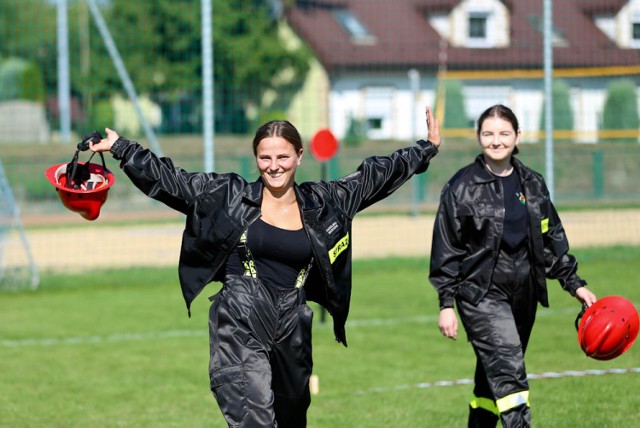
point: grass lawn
(116, 348)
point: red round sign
(323, 145)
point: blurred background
(193, 79)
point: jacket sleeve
(447, 250)
(379, 176)
(559, 264)
(157, 177)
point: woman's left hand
(586, 296)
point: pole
(124, 75)
(64, 101)
(548, 95)
(414, 82)
(208, 107)
(323, 177)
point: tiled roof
(404, 38)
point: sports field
(116, 348)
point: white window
(479, 34)
(356, 29)
(478, 26)
(378, 111)
(635, 30)
(557, 38)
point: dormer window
(478, 29)
(557, 39)
(356, 29)
(478, 26)
(635, 30)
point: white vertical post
(208, 109)
(548, 94)
(414, 82)
(124, 75)
(64, 102)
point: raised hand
(433, 126)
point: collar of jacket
(252, 194)
(484, 176)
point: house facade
(379, 62)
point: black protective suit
(496, 290)
(246, 333)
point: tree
(160, 43)
(562, 111)
(455, 116)
(621, 110)
(28, 32)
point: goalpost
(18, 269)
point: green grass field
(116, 349)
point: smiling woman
(274, 244)
(497, 238)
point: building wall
(387, 97)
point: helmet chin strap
(76, 173)
(580, 314)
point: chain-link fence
(365, 69)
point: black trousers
(260, 343)
(499, 329)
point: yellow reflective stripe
(484, 403)
(250, 269)
(337, 249)
(544, 225)
(249, 265)
(513, 400)
(302, 277)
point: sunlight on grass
(116, 348)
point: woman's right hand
(433, 126)
(448, 323)
(105, 144)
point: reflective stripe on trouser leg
(250, 325)
(507, 403)
(484, 403)
(483, 413)
(501, 405)
(512, 409)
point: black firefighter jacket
(468, 231)
(219, 207)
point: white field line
(546, 375)
(155, 335)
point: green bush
(621, 111)
(100, 116)
(356, 133)
(455, 115)
(21, 80)
(562, 111)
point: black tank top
(279, 254)
(515, 215)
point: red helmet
(82, 186)
(608, 328)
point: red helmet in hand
(82, 186)
(608, 328)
